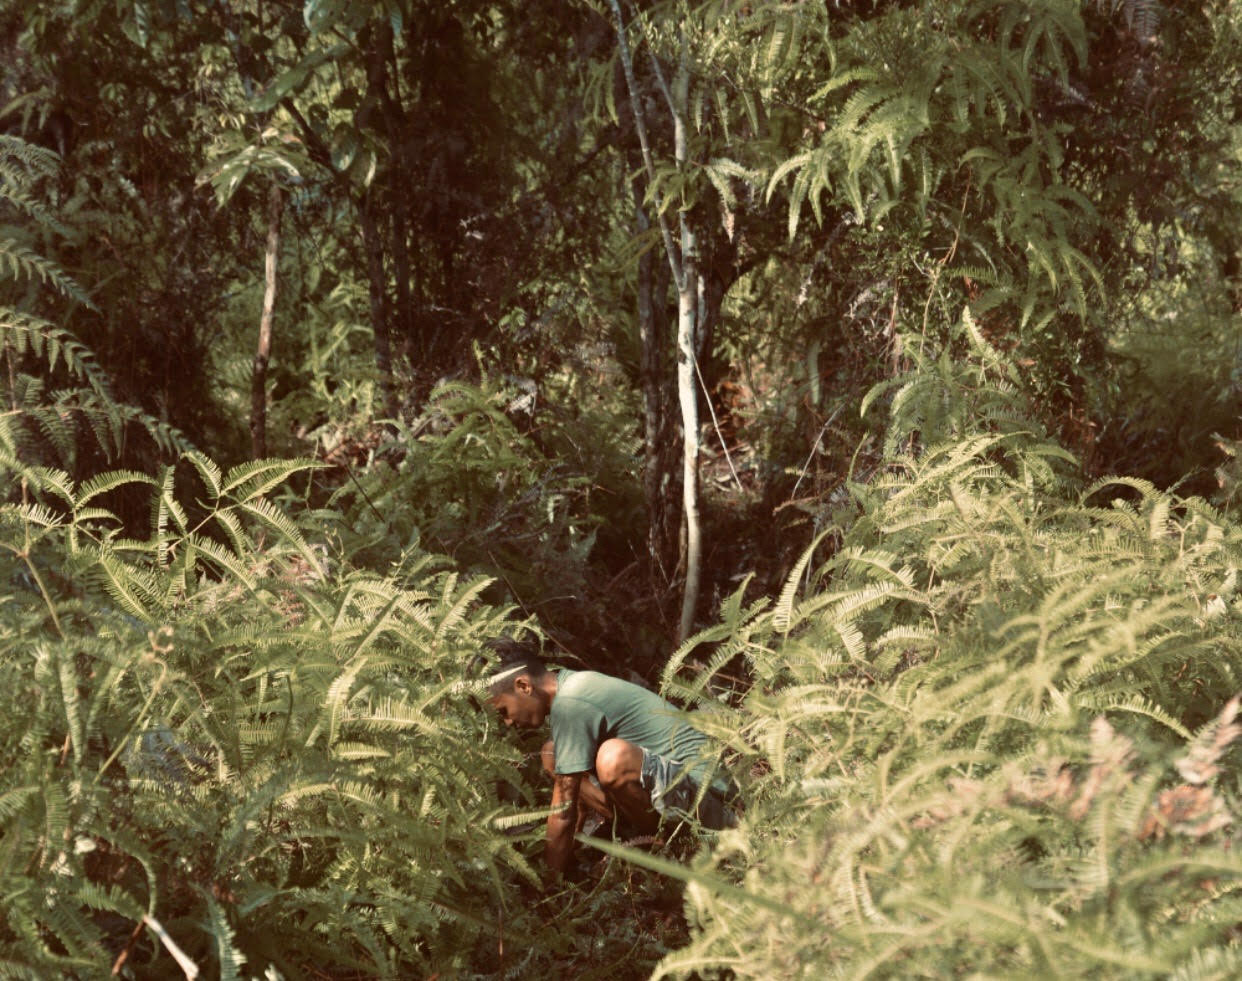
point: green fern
(968, 742)
(41, 422)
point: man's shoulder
(576, 682)
(596, 684)
(576, 689)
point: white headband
(505, 675)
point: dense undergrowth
(265, 755)
(994, 734)
(988, 725)
(230, 746)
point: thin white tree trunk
(687, 343)
(263, 350)
(683, 260)
(687, 319)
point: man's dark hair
(514, 659)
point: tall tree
(682, 257)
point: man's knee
(617, 762)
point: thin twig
(188, 967)
(500, 938)
(814, 449)
(124, 955)
(944, 261)
(715, 424)
(362, 490)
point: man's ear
(522, 685)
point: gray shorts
(675, 794)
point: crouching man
(647, 761)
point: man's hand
(563, 821)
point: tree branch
(659, 72)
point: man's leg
(619, 767)
(589, 795)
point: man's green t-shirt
(590, 707)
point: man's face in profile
(521, 707)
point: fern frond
(277, 521)
(210, 473)
(1137, 705)
(105, 482)
(228, 957)
(782, 613)
(38, 160)
(23, 262)
(249, 481)
(15, 196)
(136, 590)
(229, 561)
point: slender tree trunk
(395, 123)
(689, 300)
(374, 249)
(370, 220)
(660, 466)
(687, 397)
(649, 373)
(263, 350)
(683, 263)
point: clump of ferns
(289, 766)
(57, 398)
(218, 728)
(918, 742)
(1066, 853)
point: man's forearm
(560, 838)
(563, 821)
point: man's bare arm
(563, 821)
